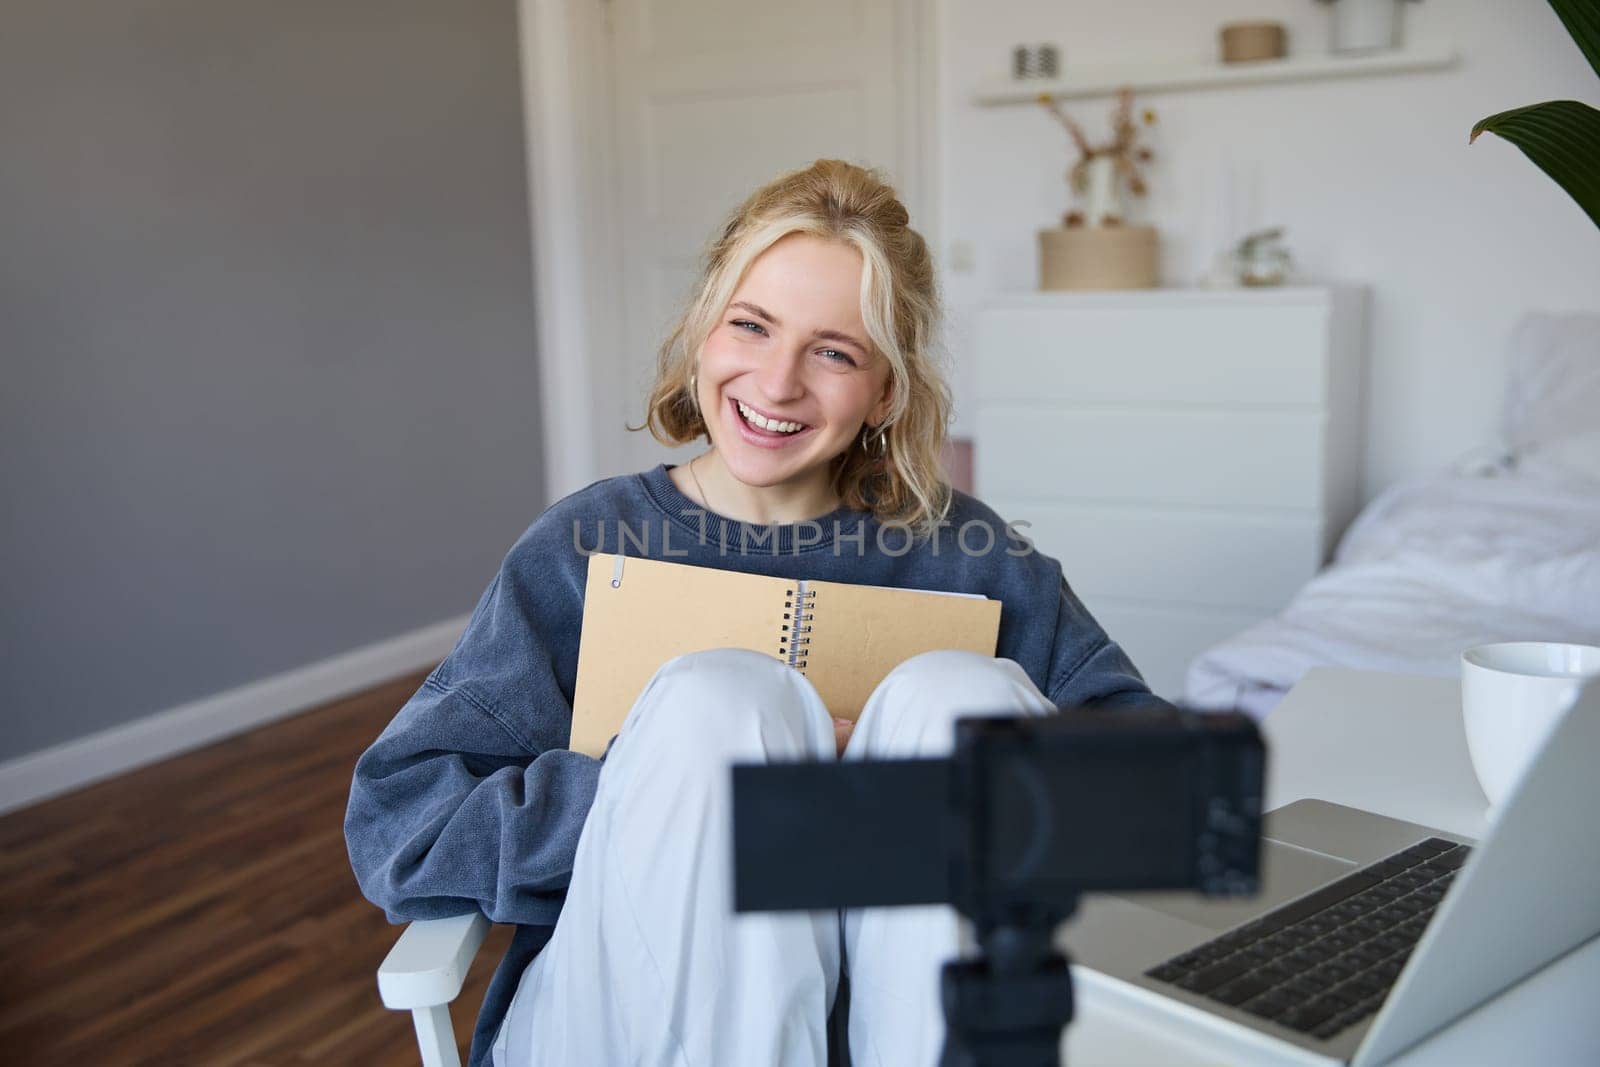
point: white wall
(1373, 178)
(271, 386)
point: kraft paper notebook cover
(639, 613)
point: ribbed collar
(719, 529)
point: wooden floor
(202, 911)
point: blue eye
(833, 354)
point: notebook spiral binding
(792, 646)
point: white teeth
(757, 419)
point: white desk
(1392, 744)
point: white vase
(1365, 25)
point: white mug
(1512, 696)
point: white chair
(424, 972)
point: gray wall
(267, 336)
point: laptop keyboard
(1326, 961)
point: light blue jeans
(649, 964)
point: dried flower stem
(1123, 149)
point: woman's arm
(469, 799)
(1087, 668)
(449, 813)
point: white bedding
(1431, 567)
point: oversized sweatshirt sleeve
(1087, 668)
(469, 798)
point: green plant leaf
(1582, 19)
(1562, 137)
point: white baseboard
(62, 768)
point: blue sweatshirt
(470, 800)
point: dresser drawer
(1245, 562)
(1155, 355)
(1211, 459)
(1161, 640)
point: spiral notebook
(639, 613)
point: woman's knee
(914, 710)
(958, 678)
(727, 702)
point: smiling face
(791, 350)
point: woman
(806, 360)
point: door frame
(570, 159)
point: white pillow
(1553, 391)
(1570, 458)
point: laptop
(1370, 933)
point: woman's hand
(841, 732)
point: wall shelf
(1145, 78)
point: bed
(1503, 546)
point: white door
(711, 99)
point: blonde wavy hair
(900, 307)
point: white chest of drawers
(1189, 456)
